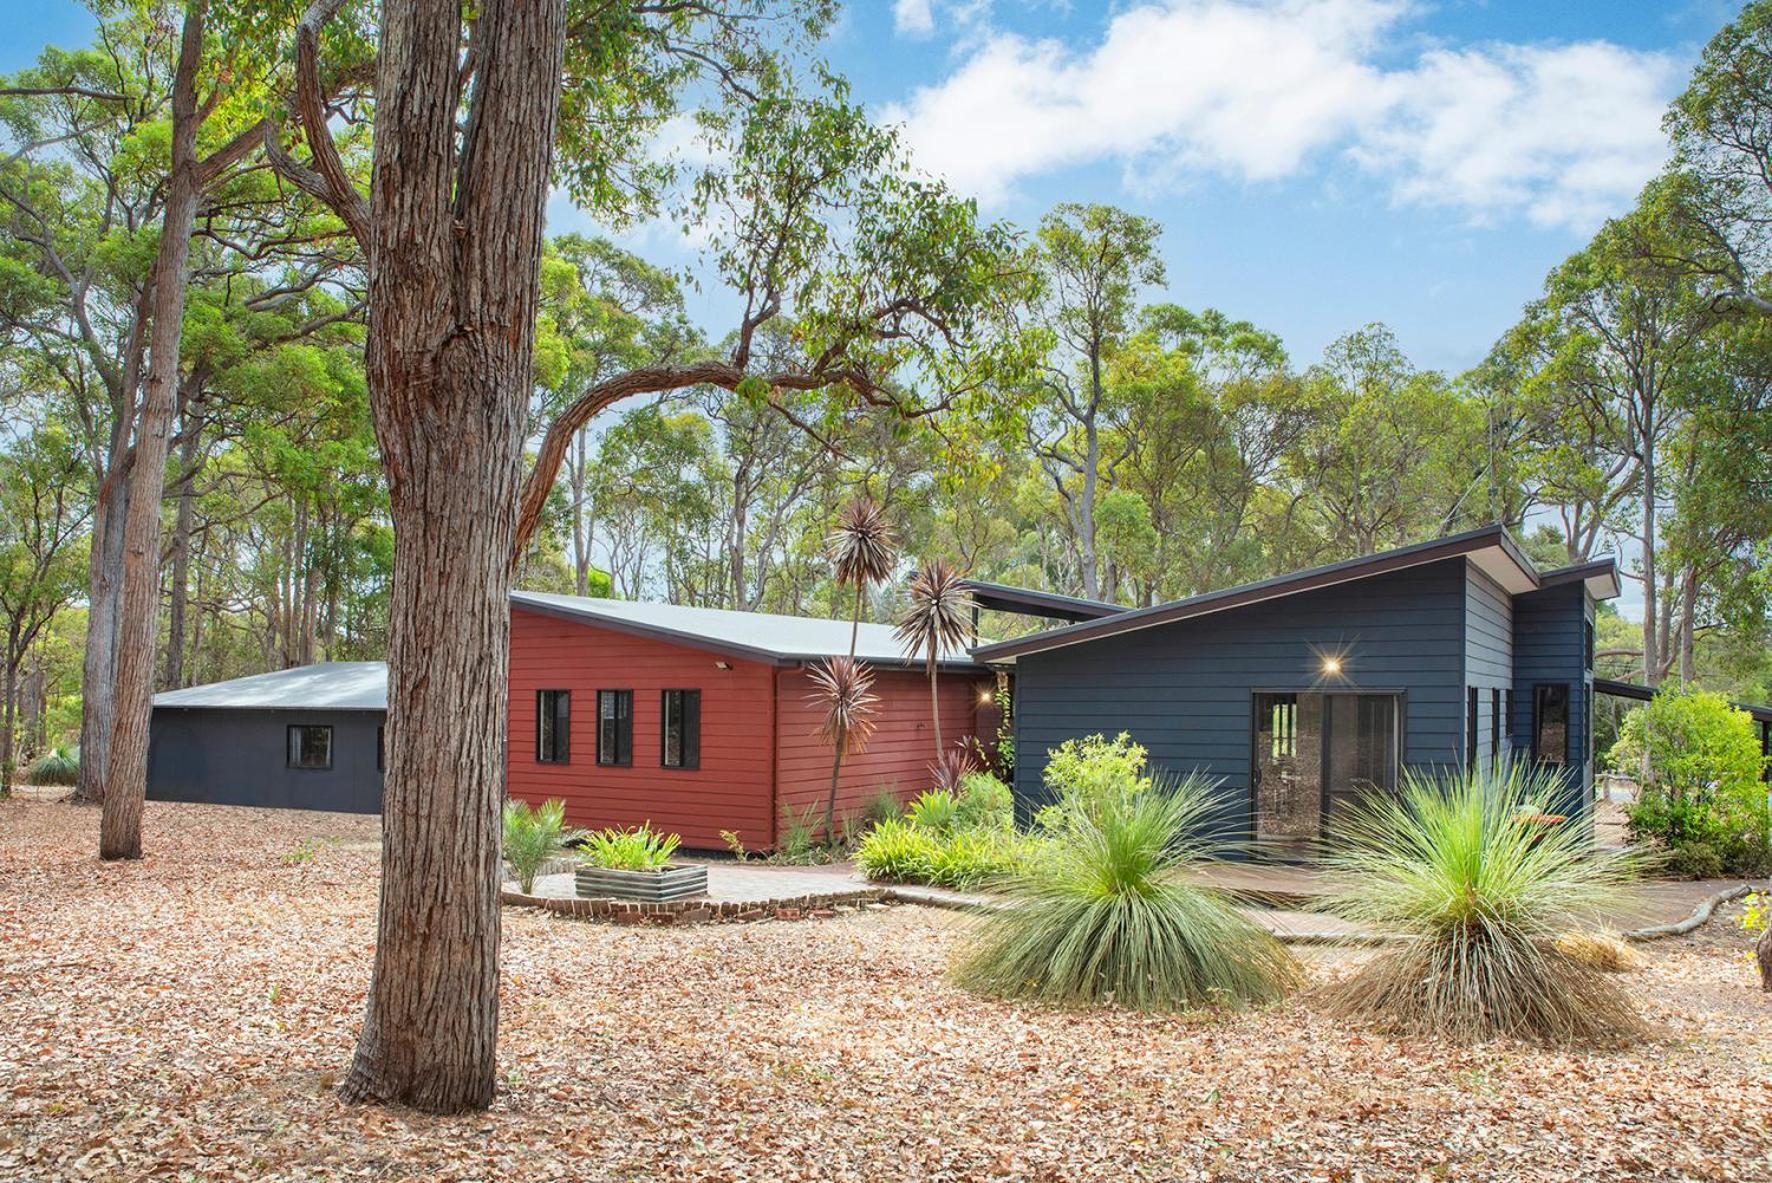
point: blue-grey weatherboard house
(306, 738)
(1304, 691)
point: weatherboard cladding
(236, 756)
(759, 743)
(1488, 651)
(1185, 689)
(1550, 647)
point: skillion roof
(1492, 549)
(325, 686)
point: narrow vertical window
(1550, 723)
(1495, 722)
(381, 750)
(1470, 728)
(680, 729)
(615, 726)
(553, 726)
(1507, 712)
(310, 747)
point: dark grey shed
(307, 738)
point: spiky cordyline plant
(1105, 913)
(861, 552)
(1467, 867)
(844, 688)
(937, 619)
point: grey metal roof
(757, 636)
(327, 686)
(1025, 601)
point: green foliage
(934, 810)
(1105, 914)
(642, 849)
(532, 836)
(1482, 891)
(58, 766)
(798, 837)
(1702, 800)
(984, 802)
(735, 843)
(901, 851)
(1092, 773)
(883, 806)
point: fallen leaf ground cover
(187, 1017)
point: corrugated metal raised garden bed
(674, 881)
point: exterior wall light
(1332, 666)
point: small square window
(310, 746)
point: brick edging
(696, 911)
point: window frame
(1471, 722)
(623, 756)
(548, 710)
(290, 748)
(1562, 760)
(689, 704)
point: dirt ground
(187, 1017)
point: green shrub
(896, 851)
(1483, 889)
(796, 840)
(1093, 773)
(58, 766)
(644, 849)
(533, 836)
(984, 802)
(1104, 912)
(1701, 798)
(935, 810)
(883, 806)
(965, 859)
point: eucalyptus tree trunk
(99, 659)
(184, 522)
(126, 766)
(454, 241)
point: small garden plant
(946, 839)
(58, 766)
(1104, 912)
(1487, 895)
(642, 849)
(533, 835)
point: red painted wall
(731, 789)
(759, 734)
(898, 755)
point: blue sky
(1316, 164)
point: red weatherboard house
(700, 720)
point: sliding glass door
(1315, 753)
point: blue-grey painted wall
(1488, 655)
(1550, 645)
(1184, 690)
(240, 757)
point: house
(1304, 691)
(702, 720)
(697, 720)
(306, 738)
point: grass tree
(937, 620)
(1467, 869)
(861, 551)
(844, 688)
(1106, 912)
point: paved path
(1284, 894)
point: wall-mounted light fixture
(1332, 667)
(985, 697)
(722, 665)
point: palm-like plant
(861, 551)
(533, 835)
(844, 688)
(1467, 869)
(937, 619)
(1106, 912)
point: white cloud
(913, 18)
(1259, 89)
